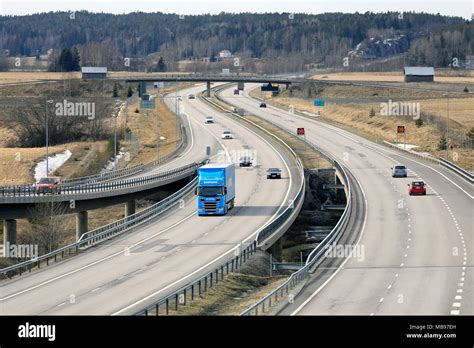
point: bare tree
(49, 227)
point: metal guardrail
(460, 171)
(441, 161)
(109, 175)
(315, 256)
(291, 210)
(210, 78)
(188, 292)
(125, 172)
(100, 234)
(196, 288)
(29, 194)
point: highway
(125, 274)
(417, 250)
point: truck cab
(216, 189)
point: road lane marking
(95, 262)
(344, 262)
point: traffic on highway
(218, 160)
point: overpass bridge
(210, 78)
(20, 201)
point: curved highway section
(415, 252)
(128, 273)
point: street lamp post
(178, 112)
(47, 136)
(115, 142)
(447, 126)
(161, 138)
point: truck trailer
(216, 188)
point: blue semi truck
(216, 188)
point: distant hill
(106, 39)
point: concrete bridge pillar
(130, 208)
(81, 223)
(9, 231)
(208, 89)
(277, 250)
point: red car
(49, 184)
(417, 188)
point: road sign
(319, 103)
(147, 104)
(400, 129)
(300, 131)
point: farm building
(418, 74)
(94, 73)
(225, 54)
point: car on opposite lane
(227, 135)
(263, 105)
(245, 161)
(49, 184)
(274, 173)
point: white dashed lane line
(456, 306)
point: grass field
(355, 117)
(150, 124)
(33, 76)
(440, 76)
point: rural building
(469, 62)
(94, 73)
(225, 54)
(419, 74)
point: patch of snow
(111, 163)
(408, 147)
(54, 162)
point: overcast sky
(461, 8)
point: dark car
(263, 105)
(245, 161)
(49, 184)
(274, 173)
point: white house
(225, 54)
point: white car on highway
(209, 119)
(399, 171)
(227, 135)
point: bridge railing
(197, 288)
(296, 278)
(100, 234)
(187, 293)
(20, 194)
(125, 172)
